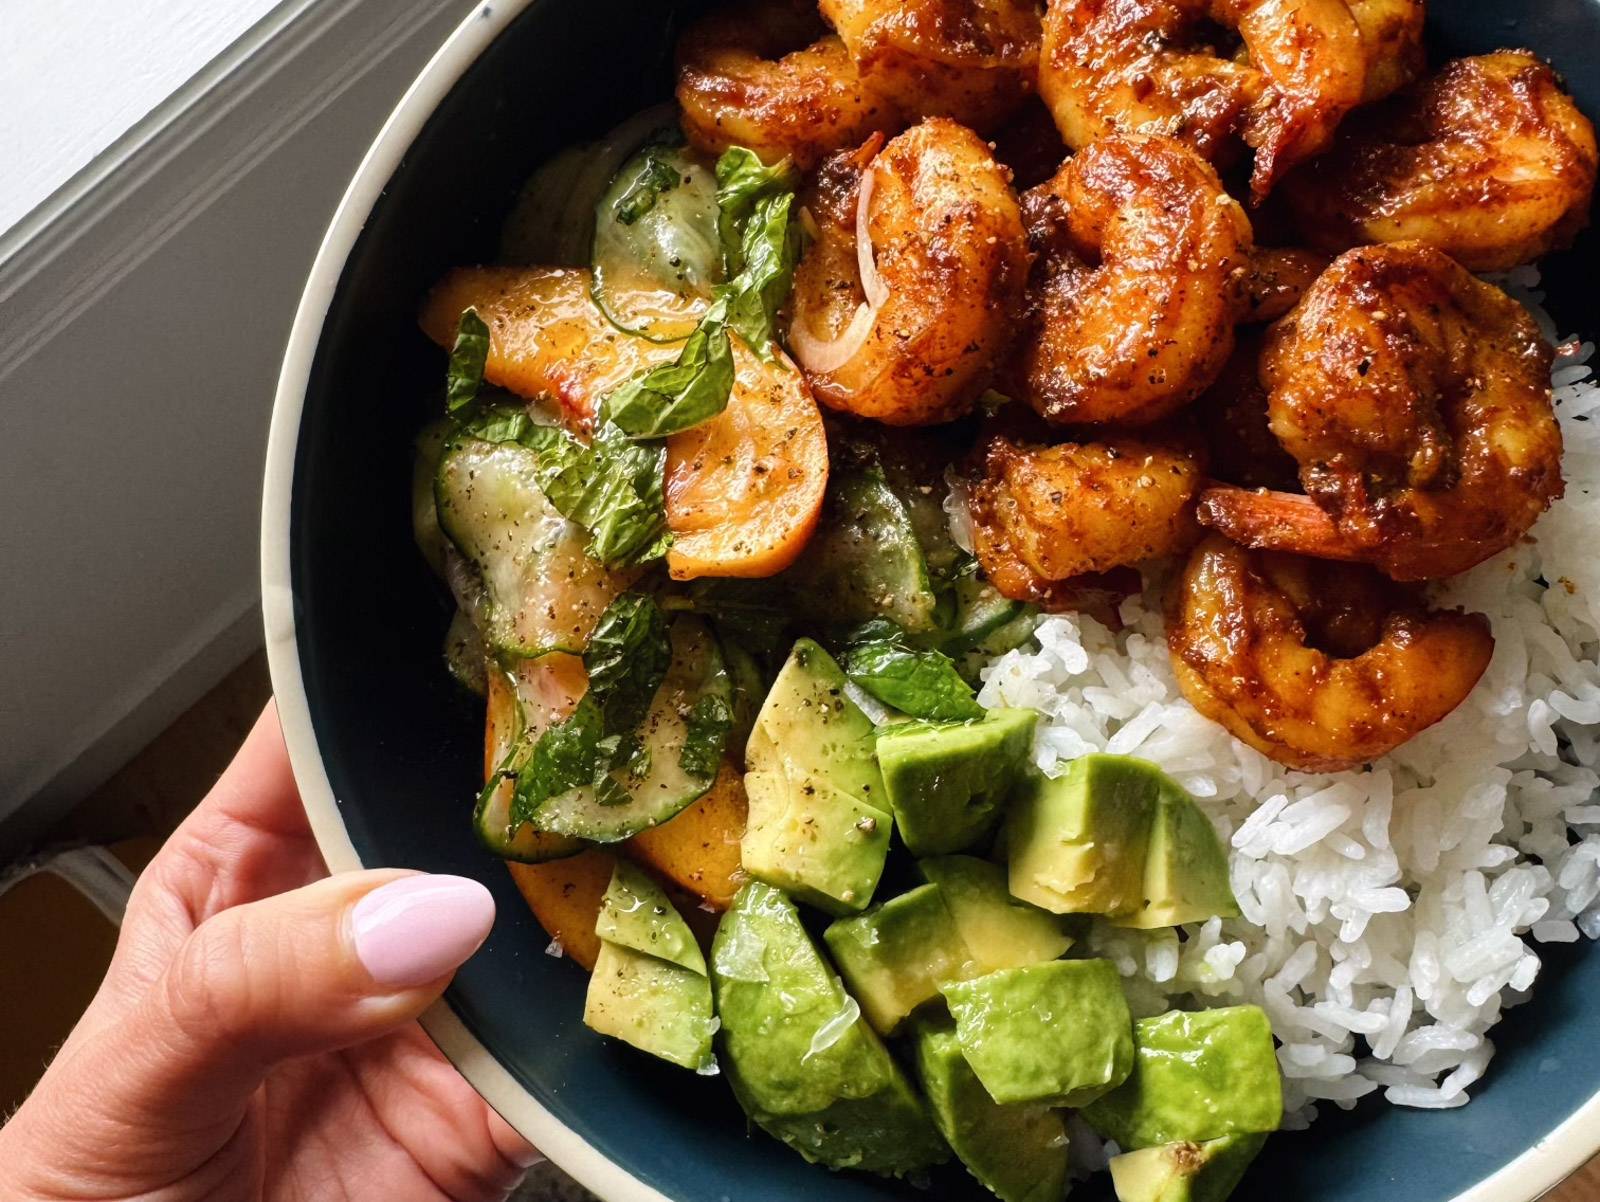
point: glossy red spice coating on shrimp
(1320, 666)
(1140, 279)
(1416, 399)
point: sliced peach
(699, 849)
(565, 895)
(744, 490)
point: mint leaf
(678, 395)
(769, 249)
(921, 683)
(613, 488)
(656, 175)
(468, 357)
(752, 612)
(562, 759)
(706, 737)
(761, 245)
(742, 182)
(627, 659)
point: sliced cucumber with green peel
(980, 613)
(541, 591)
(424, 510)
(491, 818)
(465, 655)
(655, 785)
(656, 252)
(865, 560)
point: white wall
(78, 75)
(141, 329)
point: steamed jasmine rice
(1390, 916)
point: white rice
(1389, 916)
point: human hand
(255, 1035)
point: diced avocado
(1018, 1152)
(635, 913)
(802, 1062)
(809, 722)
(999, 931)
(1186, 869)
(948, 783)
(1077, 843)
(1057, 1033)
(1196, 1077)
(657, 1006)
(896, 955)
(1185, 1172)
(813, 841)
(819, 825)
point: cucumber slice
(424, 510)
(664, 786)
(980, 611)
(508, 721)
(541, 592)
(465, 655)
(865, 560)
(656, 253)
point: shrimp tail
(1276, 521)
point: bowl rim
(1529, 1176)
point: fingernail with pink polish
(415, 930)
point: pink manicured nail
(415, 930)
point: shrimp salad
(1033, 612)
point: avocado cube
(635, 913)
(1019, 1153)
(895, 956)
(810, 725)
(999, 931)
(1186, 868)
(1077, 843)
(948, 783)
(1185, 1172)
(802, 1062)
(813, 841)
(657, 1006)
(1196, 1077)
(1056, 1033)
(818, 826)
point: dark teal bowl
(387, 748)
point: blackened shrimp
(1143, 260)
(1490, 161)
(765, 77)
(1156, 66)
(971, 60)
(1416, 400)
(912, 288)
(1320, 666)
(1043, 515)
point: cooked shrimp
(1139, 282)
(905, 327)
(1320, 666)
(1490, 161)
(1279, 277)
(1152, 66)
(1416, 399)
(1232, 414)
(972, 60)
(766, 78)
(1058, 512)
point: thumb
(335, 963)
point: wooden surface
(153, 793)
